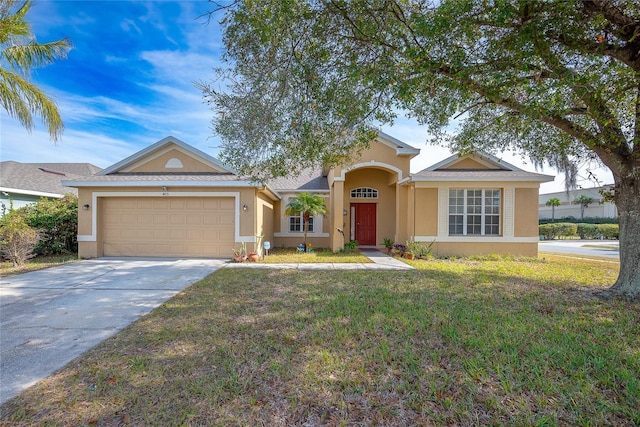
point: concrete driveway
(50, 317)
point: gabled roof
(204, 157)
(42, 179)
(483, 158)
(402, 148)
(496, 170)
(309, 179)
(119, 174)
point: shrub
(588, 231)
(351, 246)
(420, 250)
(567, 229)
(555, 230)
(17, 239)
(57, 222)
(547, 231)
(594, 220)
(609, 231)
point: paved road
(577, 247)
(50, 317)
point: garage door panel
(192, 219)
(144, 204)
(197, 227)
(160, 204)
(156, 219)
(177, 219)
(227, 204)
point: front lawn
(462, 342)
(37, 263)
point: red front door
(364, 223)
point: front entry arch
(363, 223)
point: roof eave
(535, 178)
(164, 183)
(32, 192)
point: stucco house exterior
(171, 199)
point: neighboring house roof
(41, 179)
(308, 180)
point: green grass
(487, 341)
(37, 263)
(292, 256)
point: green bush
(609, 231)
(419, 249)
(567, 229)
(588, 231)
(548, 231)
(351, 246)
(57, 222)
(17, 239)
(603, 220)
(555, 230)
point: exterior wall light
(245, 207)
(85, 207)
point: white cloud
(74, 146)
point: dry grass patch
(463, 342)
(37, 263)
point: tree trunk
(553, 213)
(305, 227)
(628, 203)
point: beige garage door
(168, 226)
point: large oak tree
(557, 81)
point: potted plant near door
(388, 243)
(240, 255)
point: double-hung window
(296, 224)
(474, 212)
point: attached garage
(168, 226)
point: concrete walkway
(379, 260)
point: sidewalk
(379, 260)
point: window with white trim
(296, 224)
(474, 212)
(364, 193)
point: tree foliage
(20, 53)
(17, 239)
(57, 223)
(584, 201)
(553, 202)
(557, 81)
(307, 205)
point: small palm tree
(18, 55)
(553, 202)
(308, 205)
(584, 202)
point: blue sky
(129, 82)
